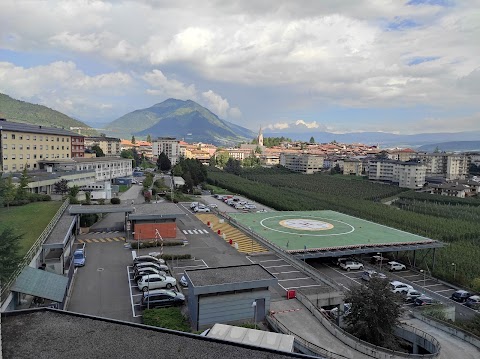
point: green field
(29, 220)
(320, 230)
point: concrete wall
(229, 308)
(147, 230)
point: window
(41, 138)
(5, 157)
(68, 139)
(13, 146)
(34, 138)
(34, 156)
(28, 147)
(41, 147)
(53, 147)
(58, 139)
(63, 147)
(46, 138)
(28, 137)
(28, 157)
(20, 147)
(5, 168)
(14, 167)
(21, 166)
(63, 139)
(46, 156)
(41, 156)
(20, 157)
(35, 147)
(13, 136)
(5, 146)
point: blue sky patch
(432, 2)
(401, 24)
(421, 59)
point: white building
(168, 145)
(303, 163)
(406, 174)
(449, 166)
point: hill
(25, 112)
(452, 146)
(183, 120)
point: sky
(294, 66)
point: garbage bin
(291, 294)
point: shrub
(115, 200)
(170, 257)
(153, 244)
(170, 318)
(73, 200)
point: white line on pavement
(184, 231)
(190, 232)
(292, 271)
(284, 280)
(444, 290)
(205, 231)
(283, 265)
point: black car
(473, 302)
(460, 295)
(424, 300)
(161, 298)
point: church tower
(260, 137)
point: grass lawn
(171, 318)
(29, 220)
(123, 187)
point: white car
(148, 258)
(201, 209)
(262, 210)
(411, 295)
(395, 266)
(212, 205)
(155, 281)
(238, 206)
(250, 206)
(399, 287)
(193, 205)
(349, 265)
(183, 281)
(158, 266)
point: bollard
(230, 241)
(219, 232)
(208, 224)
(236, 245)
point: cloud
(278, 126)
(297, 126)
(306, 124)
(162, 86)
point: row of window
(14, 136)
(34, 147)
(34, 156)
(20, 167)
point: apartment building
(168, 145)
(109, 145)
(352, 167)
(24, 145)
(406, 174)
(239, 153)
(404, 155)
(78, 146)
(303, 163)
(448, 166)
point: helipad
(328, 233)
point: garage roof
(41, 284)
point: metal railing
(279, 327)
(363, 346)
(27, 258)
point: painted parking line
(432, 285)
(284, 280)
(271, 260)
(292, 271)
(282, 265)
(444, 290)
(302, 286)
(410, 276)
(131, 295)
(205, 231)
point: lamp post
(381, 260)
(454, 265)
(424, 276)
(254, 306)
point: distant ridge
(452, 146)
(182, 120)
(25, 112)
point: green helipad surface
(322, 230)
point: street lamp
(381, 260)
(254, 306)
(454, 265)
(424, 276)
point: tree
(233, 166)
(73, 191)
(335, 170)
(133, 140)
(149, 138)
(382, 155)
(98, 151)
(212, 161)
(8, 191)
(374, 313)
(21, 189)
(163, 162)
(312, 140)
(222, 158)
(61, 186)
(258, 149)
(9, 253)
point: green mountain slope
(180, 119)
(25, 112)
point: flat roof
(228, 275)
(41, 283)
(155, 210)
(327, 233)
(51, 334)
(40, 129)
(61, 232)
(97, 208)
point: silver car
(155, 281)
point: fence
(27, 258)
(365, 347)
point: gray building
(228, 294)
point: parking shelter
(228, 294)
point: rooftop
(49, 333)
(156, 210)
(23, 127)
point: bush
(73, 200)
(170, 318)
(115, 200)
(153, 244)
(170, 257)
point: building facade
(352, 167)
(78, 146)
(406, 174)
(23, 145)
(303, 163)
(109, 145)
(448, 166)
(168, 145)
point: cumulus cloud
(296, 126)
(162, 86)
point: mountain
(25, 112)
(183, 120)
(452, 146)
(384, 139)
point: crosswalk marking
(205, 231)
(195, 231)
(101, 240)
(184, 231)
(190, 232)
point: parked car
(339, 261)
(369, 274)
(155, 281)
(158, 266)
(395, 266)
(349, 265)
(460, 295)
(183, 281)
(193, 205)
(473, 302)
(212, 205)
(161, 298)
(378, 259)
(238, 206)
(346, 307)
(79, 256)
(143, 271)
(399, 287)
(424, 300)
(250, 206)
(411, 295)
(148, 258)
(201, 209)
(262, 210)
